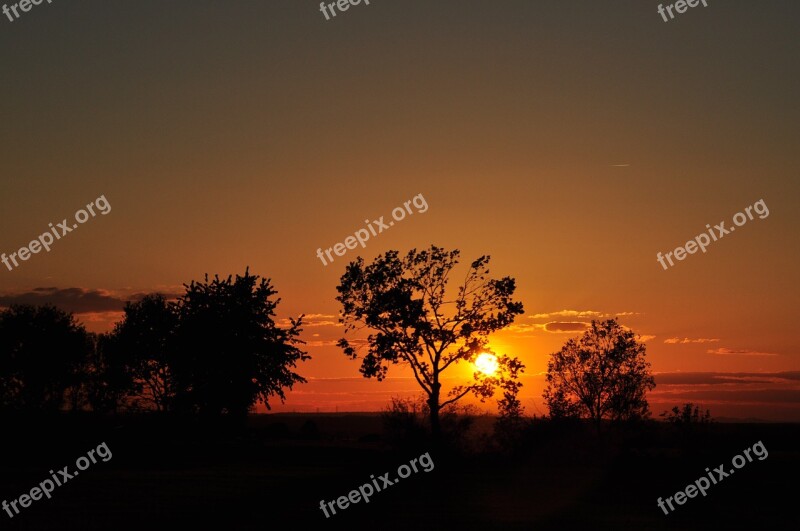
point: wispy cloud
(581, 314)
(722, 351)
(553, 327)
(321, 343)
(717, 378)
(566, 313)
(677, 340)
(312, 320)
(563, 327)
(522, 329)
(355, 342)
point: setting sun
(486, 363)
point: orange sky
(571, 141)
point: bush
(687, 416)
(404, 421)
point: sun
(486, 363)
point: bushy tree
(43, 351)
(510, 423)
(228, 351)
(687, 415)
(601, 375)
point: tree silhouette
(228, 351)
(108, 381)
(687, 415)
(601, 375)
(142, 346)
(402, 300)
(42, 356)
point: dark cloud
(784, 396)
(75, 300)
(714, 378)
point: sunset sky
(571, 141)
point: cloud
(732, 395)
(76, 300)
(741, 396)
(312, 320)
(565, 327)
(677, 340)
(357, 342)
(97, 309)
(718, 378)
(101, 317)
(722, 351)
(566, 313)
(556, 327)
(581, 314)
(321, 343)
(522, 329)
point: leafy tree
(403, 302)
(42, 355)
(228, 351)
(142, 346)
(603, 374)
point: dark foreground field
(166, 474)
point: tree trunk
(433, 405)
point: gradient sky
(569, 140)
